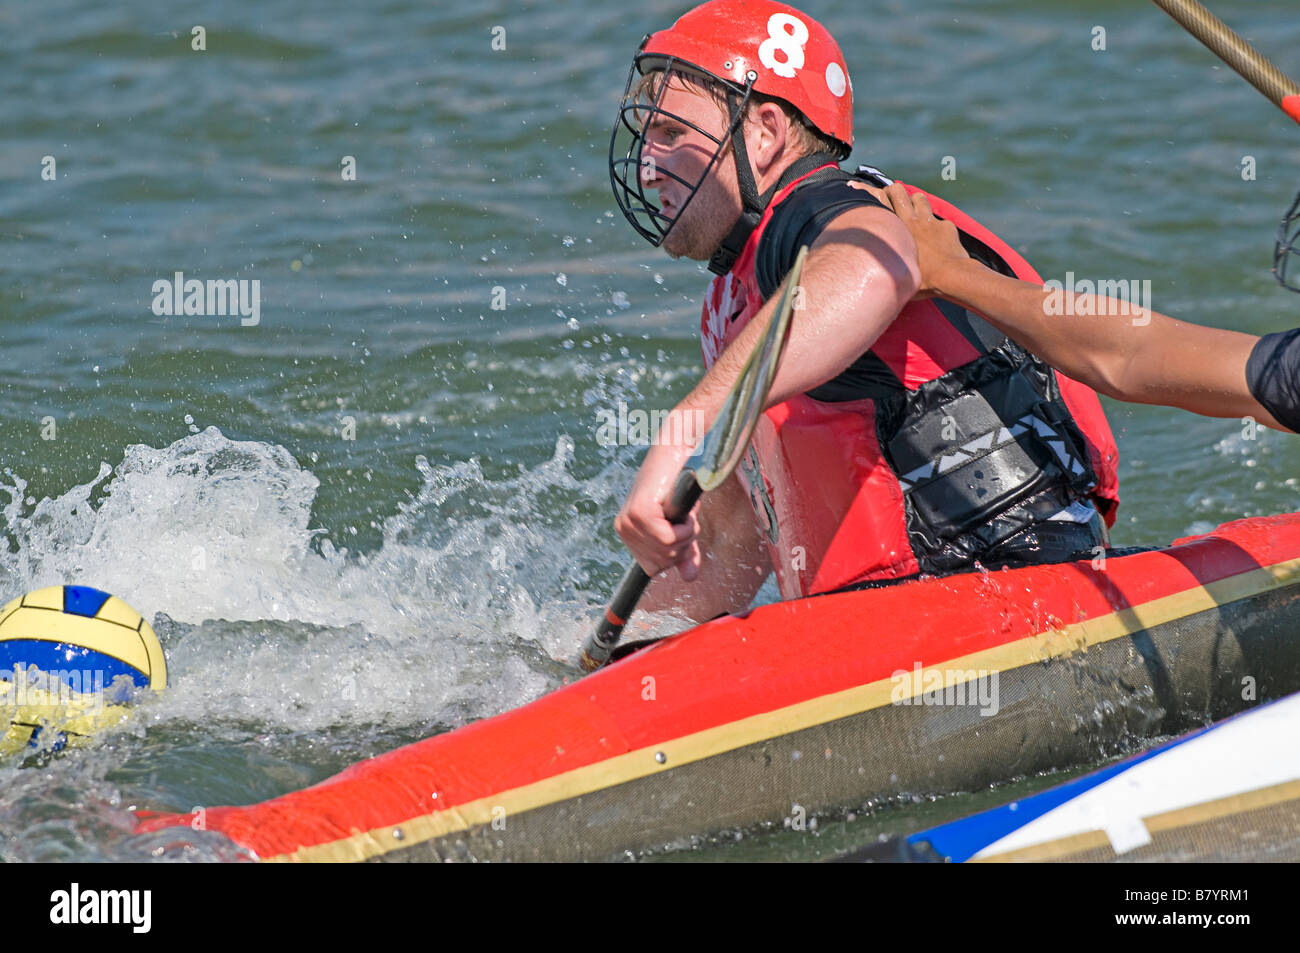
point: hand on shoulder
(938, 249)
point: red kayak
(936, 685)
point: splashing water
(290, 658)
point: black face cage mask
(628, 139)
(1286, 254)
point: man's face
(671, 146)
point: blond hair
(803, 136)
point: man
(901, 436)
(1208, 371)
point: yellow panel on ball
(50, 597)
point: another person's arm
(1156, 361)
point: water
(382, 511)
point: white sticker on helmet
(836, 81)
(787, 34)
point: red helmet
(747, 46)
(792, 56)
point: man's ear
(768, 136)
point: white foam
(275, 638)
(447, 621)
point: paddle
(1253, 66)
(708, 466)
(1269, 80)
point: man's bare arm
(861, 272)
(859, 275)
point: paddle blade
(722, 447)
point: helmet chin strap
(754, 205)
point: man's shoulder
(800, 218)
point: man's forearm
(1154, 359)
(1087, 349)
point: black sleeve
(798, 220)
(1273, 376)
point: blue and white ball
(71, 659)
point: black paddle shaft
(599, 647)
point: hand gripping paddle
(709, 466)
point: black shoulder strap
(800, 219)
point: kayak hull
(930, 686)
(1227, 792)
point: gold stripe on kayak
(362, 845)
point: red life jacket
(972, 442)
